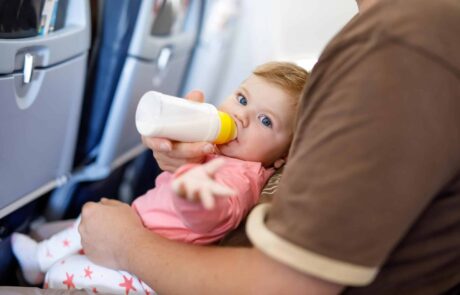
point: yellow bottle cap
(227, 130)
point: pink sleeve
(245, 179)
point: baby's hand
(198, 184)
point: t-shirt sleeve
(372, 147)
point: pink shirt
(163, 212)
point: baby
(199, 203)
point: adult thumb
(195, 95)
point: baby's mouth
(235, 140)
(229, 142)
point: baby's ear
(279, 163)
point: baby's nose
(243, 119)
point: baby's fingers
(214, 189)
(214, 165)
(177, 187)
(221, 190)
(207, 199)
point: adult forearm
(174, 268)
(113, 236)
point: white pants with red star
(66, 269)
(60, 245)
(78, 272)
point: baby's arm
(210, 182)
(198, 184)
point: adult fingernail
(208, 149)
(164, 147)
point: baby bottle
(161, 115)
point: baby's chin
(233, 150)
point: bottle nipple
(227, 130)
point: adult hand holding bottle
(170, 155)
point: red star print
(88, 272)
(95, 290)
(66, 243)
(69, 281)
(128, 284)
(147, 292)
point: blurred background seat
(42, 74)
(144, 45)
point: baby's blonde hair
(289, 76)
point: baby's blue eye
(265, 120)
(242, 100)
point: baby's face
(264, 115)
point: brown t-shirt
(370, 196)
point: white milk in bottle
(161, 115)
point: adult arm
(170, 155)
(176, 268)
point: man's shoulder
(430, 27)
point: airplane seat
(139, 177)
(213, 53)
(156, 56)
(43, 59)
(117, 20)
